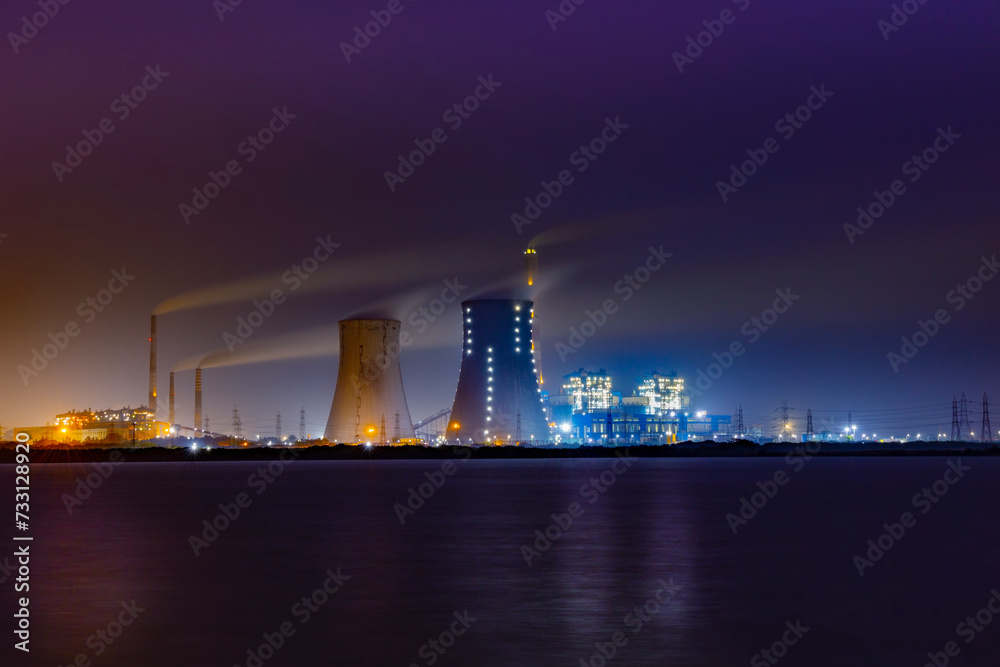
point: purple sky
(323, 176)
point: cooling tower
(197, 399)
(498, 397)
(172, 421)
(151, 403)
(368, 404)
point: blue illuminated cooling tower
(498, 398)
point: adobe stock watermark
(713, 30)
(592, 490)
(627, 287)
(635, 621)
(432, 651)
(419, 496)
(923, 501)
(86, 486)
(582, 158)
(779, 649)
(248, 149)
(768, 489)
(958, 298)
(37, 21)
(752, 329)
(915, 167)
(103, 638)
(968, 630)
(454, 116)
(302, 612)
(381, 18)
(223, 7)
(7, 570)
(88, 309)
(420, 319)
(294, 278)
(122, 106)
(788, 125)
(258, 482)
(898, 17)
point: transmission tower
(381, 431)
(784, 425)
(302, 423)
(277, 427)
(237, 424)
(517, 432)
(207, 429)
(963, 414)
(955, 433)
(809, 425)
(396, 433)
(740, 430)
(986, 435)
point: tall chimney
(172, 420)
(531, 264)
(197, 399)
(151, 403)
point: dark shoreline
(412, 452)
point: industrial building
(589, 410)
(498, 398)
(590, 391)
(369, 404)
(664, 391)
(632, 423)
(122, 424)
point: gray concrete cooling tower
(369, 404)
(498, 397)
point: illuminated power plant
(368, 403)
(498, 397)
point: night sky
(884, 97)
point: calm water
(661, 519)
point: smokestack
(498, 396)
(369, 384)
(172, 420)
(531, 265)
(151, 403)
(197, 399)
